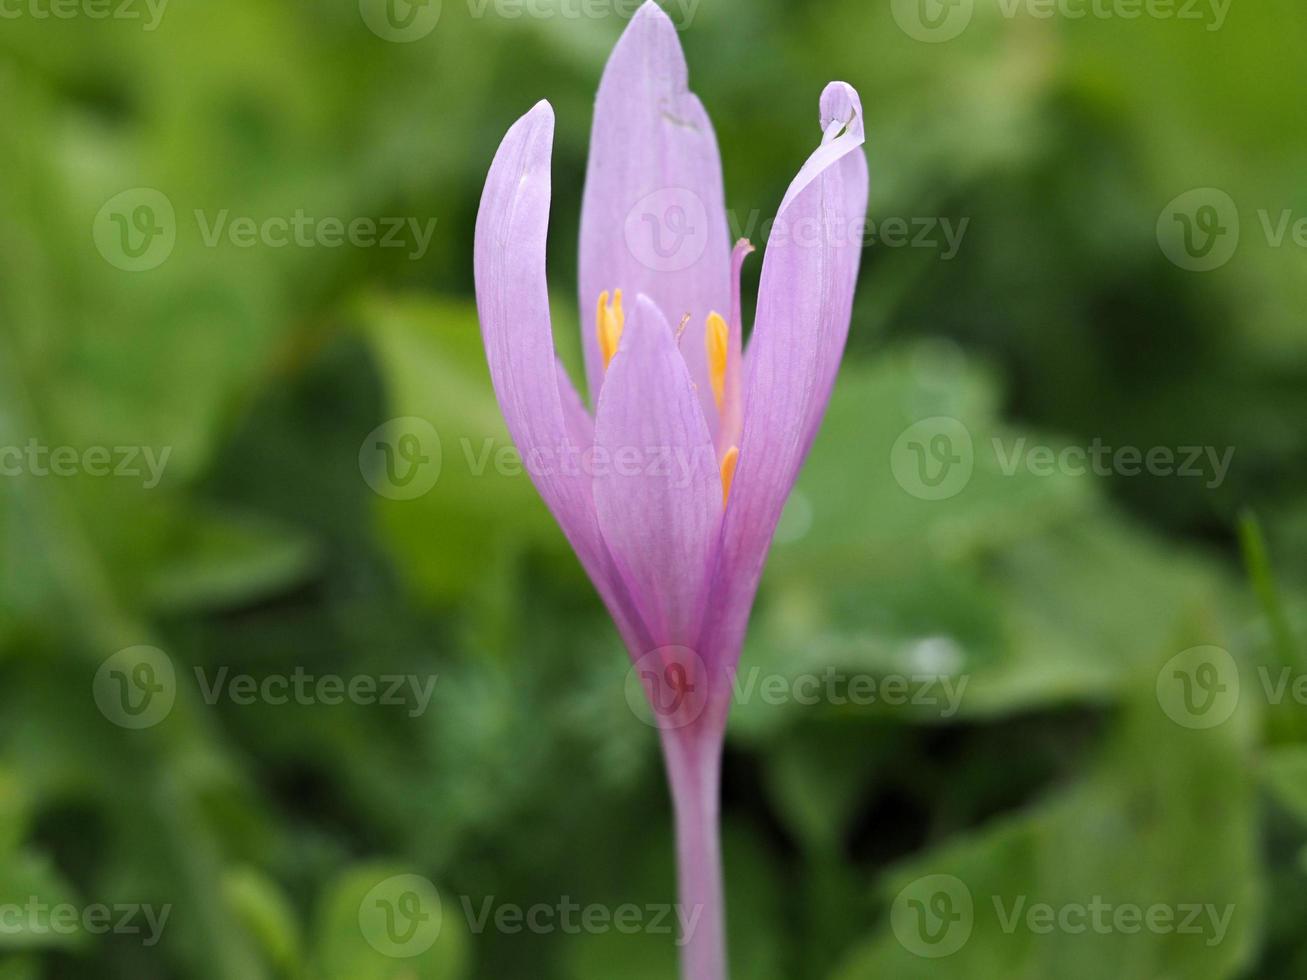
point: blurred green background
(1089, 758)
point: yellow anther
(728, 471)
(717, 340)
(608, 324)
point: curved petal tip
(540, 114)
(840, 104)
(650, 10)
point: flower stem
(694, 773)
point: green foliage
(1018, 628)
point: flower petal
(653, 215)
(657, 490)
(805, 299)
(731, 415)
(513, 304)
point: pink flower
(670, 493)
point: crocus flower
(671, 490)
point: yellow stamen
(608, 324)
(728, 471)
(717, 340)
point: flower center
(728, 471)
(609, 321)
(717, 339)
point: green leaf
(1167, 819)
(479, 499)
(381, 922)
(31, 888)
(1285, 771)
(214, 560)
(260, 905)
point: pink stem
(694, 772)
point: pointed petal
(657, 489)
(805, 300)
(513, 304)
(653, 216)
